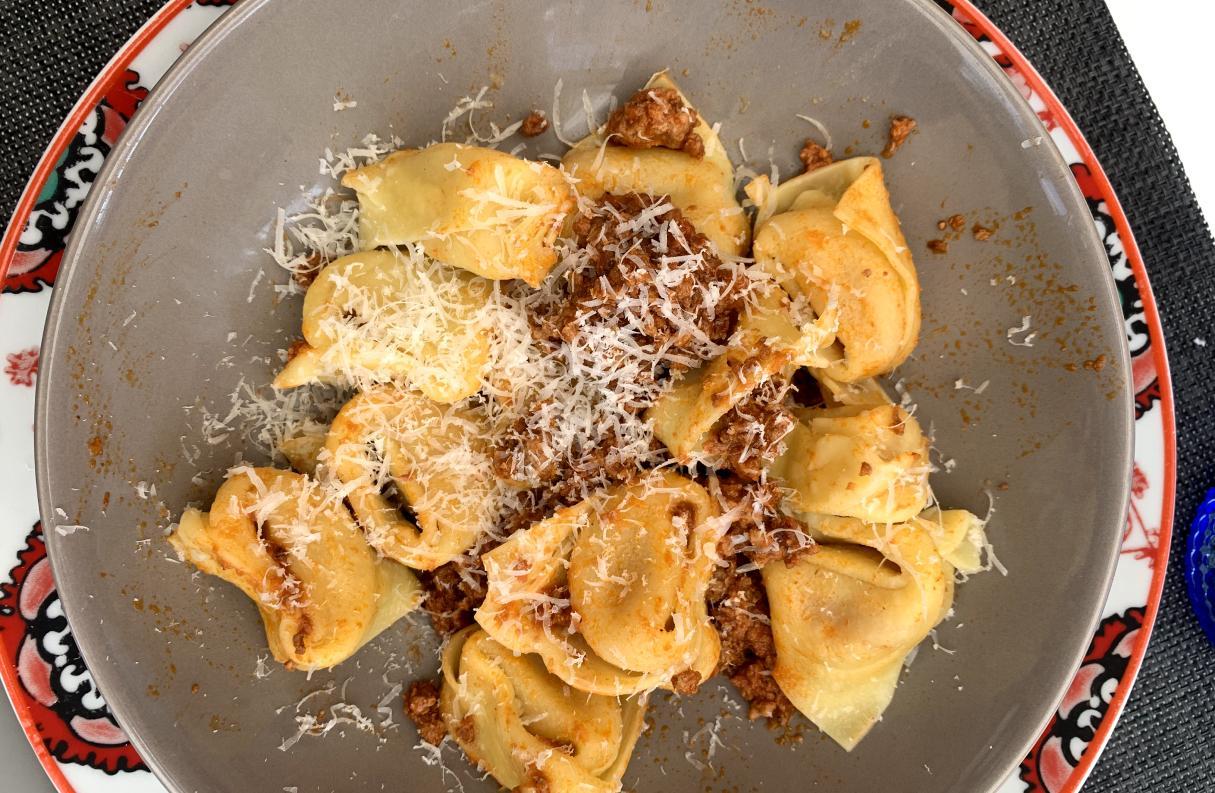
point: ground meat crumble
(453, 592)
(737, 602)
(656, 117)
(422, 706)
(466, 730)
(901, 128)
(527, 453)
(752, 434)
(748, 652)
(305, 275)
(761, 533)
(954, 227)
(557, 614)
(686, 683)
(664, 262)
(534, 124)
(814, 156)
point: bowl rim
(108, 178)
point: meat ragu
(814, 156)
(637, 271)
(752, 434)
(656, 117)
(748, 652)
(529, 452)
(760, 534)
(535, 123)
(686, 683)
(422, 707)
(901, 128)
(759, 531)
(557, 614)
(640, 253)
(453, 592)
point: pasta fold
(831, 237)
(479, 209)
(524, 726)
(397, 452)
(292, 548)
(610, 593)
(382, 316)
(854, 461)
(860, 393)
(961, 537)
(845, 617)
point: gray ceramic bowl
(161, 263)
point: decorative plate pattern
(65, 717)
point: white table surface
(1167, 45)
(1168, 41)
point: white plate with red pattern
(65, 718)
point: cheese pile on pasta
(615, 433)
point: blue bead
(1200, 565)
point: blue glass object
(1200, 565)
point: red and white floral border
(65, 718)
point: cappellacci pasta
(831, 236)
(479, 209)
(633, 565)
(396, 450)
(863, 462)
(845, 617)
(298, 555)
(525, 726)
(629, 430)
(382, 316)
(683, 416)
(768, 343)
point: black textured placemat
(50, 51)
